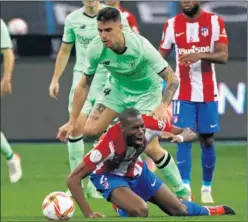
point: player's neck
(120, 46)
(194, 17)
(92, 11)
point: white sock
(76, 151)
(204, 187)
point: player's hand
(161, 113)
(65, 131)
(96, 215)
(189, 59)
(172, 137)
(54, 89)
(6, 87)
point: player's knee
(207, 140)
(92, 131)
(139, 211)
(77, 131)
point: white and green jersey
(5, 36)
(135, 71)
(80, 29)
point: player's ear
(121, 26)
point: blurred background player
(80, 28)
(13, 159)
(200, 40)
(132, 83)
(129, 15)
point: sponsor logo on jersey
(194, 49)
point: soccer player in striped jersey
(200, 42)
(117, 171)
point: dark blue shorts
(200, 116)
(145, 186)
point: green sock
(171, 173)
(6, 148)
(76, 151)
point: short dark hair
(109, 14)
(130, 112)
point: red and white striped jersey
(111, 155)
(131, 19)
(198, 80)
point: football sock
(195, 209)
(208, 159)
(6, 148)
(122, 213)
(184, 161)
(76, 151)
(170, 171)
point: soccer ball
(17, 26)
(58, 206)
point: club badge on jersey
(204, 31)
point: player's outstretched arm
(172, 84)
(60, 64)
(74, 184)
(8, 66)
(180, 135)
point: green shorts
(95, 90)
(119, 100)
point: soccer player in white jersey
(13, 159)
(80, 28)
(200, 41)
(135, 68)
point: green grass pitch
(45, 169)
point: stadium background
(30, 115)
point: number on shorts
(176, 107)
(103, 179)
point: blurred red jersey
(112, 155)
(198, 80)
(131, 19)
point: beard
(193, 11)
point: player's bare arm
(8, 66)
(220, 56)
(161, 112)
(172, 84)
(74, 184)
(179, 135)
(61, 62)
